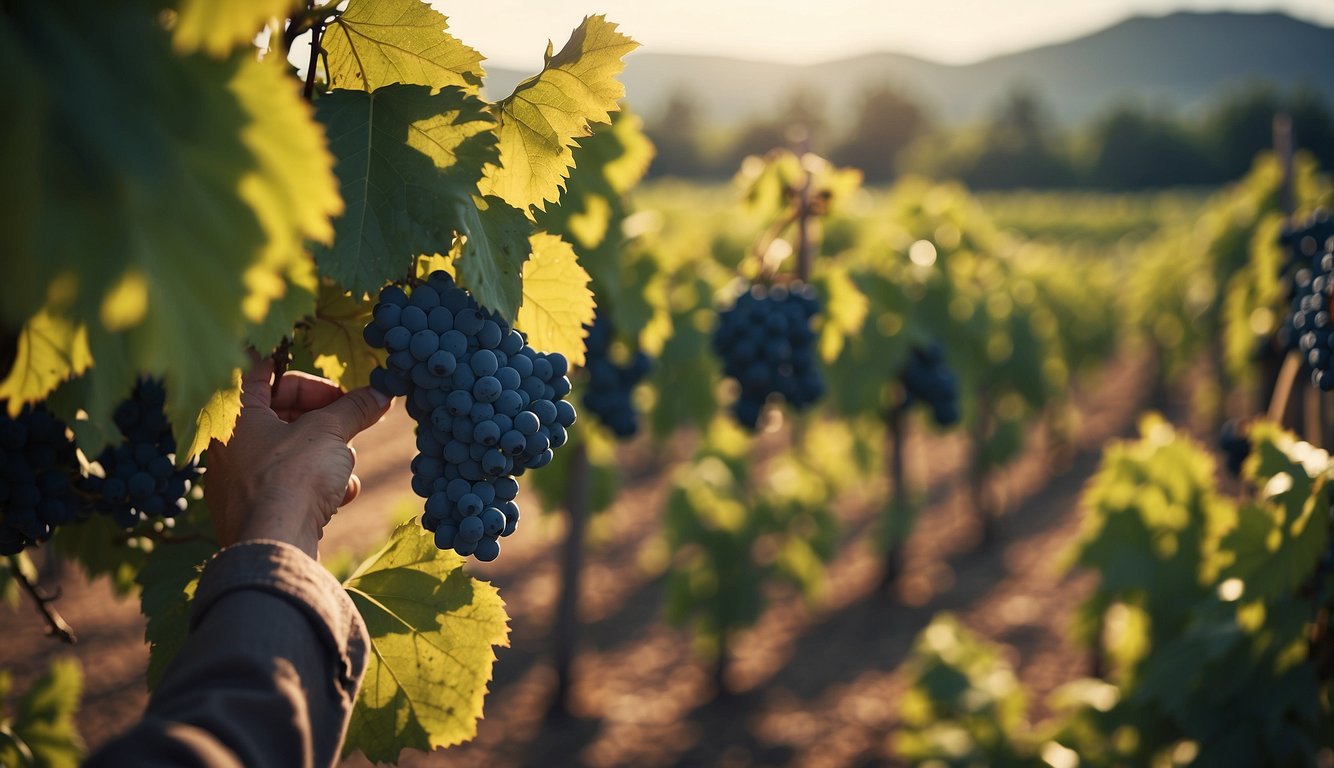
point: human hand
(288, 466)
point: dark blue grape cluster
(487, 407)
(928, 379)
(767, 345)
(610, 386)
(36, 485)
(1308, 328)
(140, 479)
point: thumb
(356, 411)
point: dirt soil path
(816, 688)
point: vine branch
(316, 32)
(282, 358)
(56, 624)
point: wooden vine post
(896, 517)
(980, 471)
(565, 632)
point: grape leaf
(218, 26)
(844, 311)
(407, 161)
(432, 629)
(287, 311)
(176, 190)
(374, 43)
(215, 421)
(1279, 539)
(167, 584)
(493, 254)
(557, 303)
(335, 342)
(51, 349)
(539, 122)
(44, 718)
(592, 211)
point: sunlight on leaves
(557, 303)
(432, 631)
(539, 122)
(374, 43)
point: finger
(256, 391)
(353, 489)
(356, 411)
(299, 392)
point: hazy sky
(513, 33)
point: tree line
(1018, 145)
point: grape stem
(282, 358)
(56, 625)
(316, 32)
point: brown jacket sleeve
(267, 676)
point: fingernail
(381, 399)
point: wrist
(283, 522)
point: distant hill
(1179, 61)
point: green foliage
(101, 548)
(964, 706)
(39, 730)
(539, 122)
(343, 357)
(731, 534)
(1205, 620)
(218, 27)
(557, 302)
(225, 144)
(373, 44)
(432, 630)
(592, 212)
(408, 162)
(1213, 284)
(167, 580)
(553, 485)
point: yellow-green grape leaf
(634, 152)
(408, 161)
(432, 630)
(494, 249)
(215, 420)
(1280, 537)
(51, 350)
(287, 311)
(539, 122)
(845, 310)
(334, 338)
(167, 584)
(218, 26)
(178, 189)
(374, 43)
(557, 302)
(44, 719)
